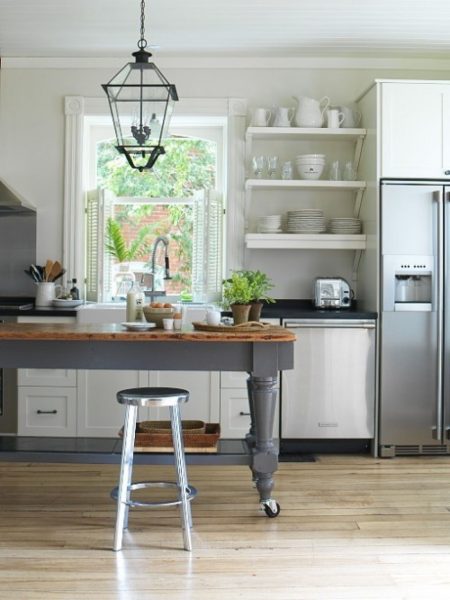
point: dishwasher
(330, 393)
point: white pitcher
(45, 293)
(352, 116)
(283, 116)
(310, 112)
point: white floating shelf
(304, 241)
(303, 133)
(303, 184)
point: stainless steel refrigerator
(415, 318)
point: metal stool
(156, 397)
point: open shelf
(304, 184)
(303, 133)
(304, 241)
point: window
(180, 199)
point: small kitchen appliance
(332, 292)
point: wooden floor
(350, 527)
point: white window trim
(78, 107)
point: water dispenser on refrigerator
(408, 283)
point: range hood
(11, 203)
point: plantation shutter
(207, 250)
(98, 264)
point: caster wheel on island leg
(271, 508)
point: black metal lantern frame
(141, 101)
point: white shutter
(98, 264)
(207, 251)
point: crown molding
(211, 62)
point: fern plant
(116, 245)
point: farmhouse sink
(116, 312)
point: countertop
(114, 332)
(281, 309)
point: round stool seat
(152, 396)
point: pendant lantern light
(141, 102)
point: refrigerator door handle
(438, 433)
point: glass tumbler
(258, 164)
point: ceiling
(105, 28)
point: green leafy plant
(260, 285)
(236, 290)
(117, 247)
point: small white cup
(213, 317)
(177, 324)
(168, 324)
(334, 118)
(261, 117)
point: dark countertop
(281, 309)
(304, 309)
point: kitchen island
(261, 353)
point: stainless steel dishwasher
(330, 393)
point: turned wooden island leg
(263, 399)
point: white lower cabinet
(47, 398)
(47, 411)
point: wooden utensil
(55, 270)
(47, 269)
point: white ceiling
(104, 28)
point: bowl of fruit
(157, 311)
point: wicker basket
(150, 441)
(165, 427)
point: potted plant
(260, 285)
(237, 295)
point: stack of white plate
(270, 224)
(306, 220)
(345, 225)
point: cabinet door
(47, 377)
(203, 388)
(99, 413)
(47, 411)
(413, 136)
(235, 415)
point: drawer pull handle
(47, 412)
(244, 414)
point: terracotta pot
(255, 311)
(240, 313)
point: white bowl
(310, 162)
(309, 156)
(310, 171)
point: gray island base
(261, 354)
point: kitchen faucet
(159, 240)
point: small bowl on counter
(156, 315)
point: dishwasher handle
(330, 323)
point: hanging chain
(142, 43)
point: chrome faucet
(159, 240)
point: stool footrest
(140, 485)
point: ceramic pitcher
(282, 116)
(352, 116)
(310, 112)
(46, 293)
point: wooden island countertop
(109, 332)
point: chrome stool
(156, 397)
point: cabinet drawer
(235, 415)
(47, 377)
(47, 411)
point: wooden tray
(253, 326)
(162, 442)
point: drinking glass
(272, 166)
(258, 163)
(286, 170)
(335, 171)
(349, 172)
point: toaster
(332, 292)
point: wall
(32, 138)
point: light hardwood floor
(351, 527)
